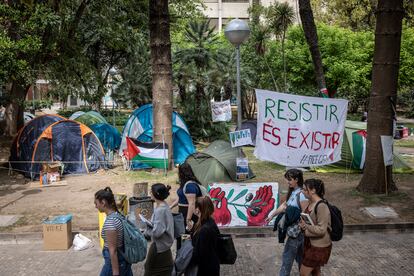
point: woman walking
(318, 244)
(295, 199)
(113, 236)
(188, 192)
(204, 239)
(159, 260)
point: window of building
(210, 1)
(73, 101)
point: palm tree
(309, 28)
(377, 178)
(160, 45)
(280, 17)
(200, 36)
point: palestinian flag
(359, 145)
(153, 155)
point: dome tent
(89, 118)
(109, 136)
(25, 140)
(140, 126)
(76, 115)
(217, 163)
(70, 142)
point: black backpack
(337, 223)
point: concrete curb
(36, 237)
(261, 232)
(237, 232)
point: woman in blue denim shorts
(113, 236)
(293, 249)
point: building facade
(221, 11)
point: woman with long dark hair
(204, 239)
(318, 244)
(113, 236)
(295, 199)
(159, 260)
(188, 192)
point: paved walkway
(357, 254)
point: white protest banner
(299, 131)
(247, 204)
(221, 111)
(240, 138)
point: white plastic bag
(80, 242)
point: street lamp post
(113, 72)
(237, 31)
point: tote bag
(226, 250)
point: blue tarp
(59, 219)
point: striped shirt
(115, 224)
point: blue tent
(140, 126)
(109, 136)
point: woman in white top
(293, 246)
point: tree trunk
(14, 111)
(160, 44)
(377, 178)
(309, 28)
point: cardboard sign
(240, 138)
(57, 236)
(249, 204)
(299, 131)
(221, 111)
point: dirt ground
(19, 196)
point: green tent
(91, 117)
(217, 163)
(353, 152)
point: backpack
(183, 258)
(203, 189)
(337, 223)
(135, 244)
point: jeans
(124, 266)
(293, 251)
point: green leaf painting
(241, 215)
(241, 194)
(230, 194)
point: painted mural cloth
(247, 204)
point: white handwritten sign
(299, 131)
(221, 111)
(240, 138)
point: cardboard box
(57, 236)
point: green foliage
(108, 37)
(23, 40)
(199, 66)
(354, 14)
(38, 104)
(347, 58)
